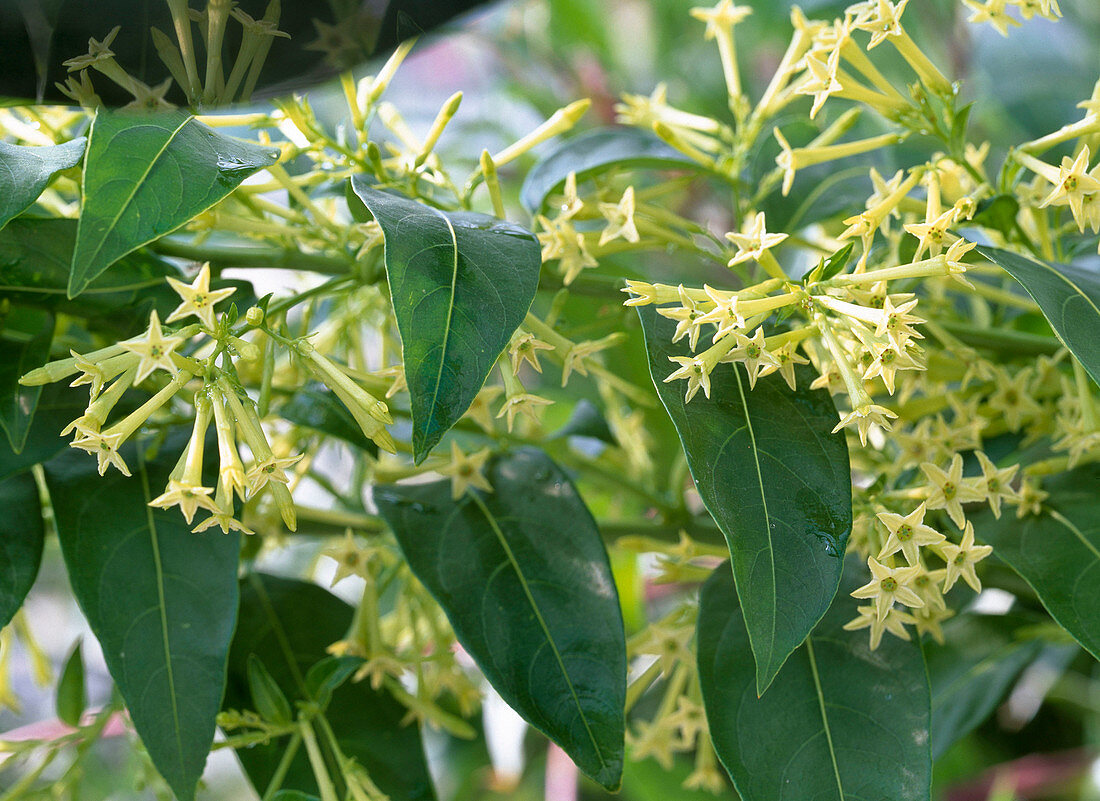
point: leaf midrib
(764, 503)
(162, 608)
(133, 193)
(824, 715)
(538, 616)
(447, 325)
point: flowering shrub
(875, 411)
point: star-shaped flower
(524, 403)
(97, 51)
(753, 240)
(576, 355)
(894, 622)
(223, 520)
(269, 470)
(949, 490)
(525, 347)
(864, 416)
(725, 313)
(997, 483)
(688, 317)
(154, 348)
(695, 370)
(189, 497)
(465, 470)
(350, 557)
(198, 298)
(994, 12)
(620, 219)
(884, 20)
(754, 354)
(1074, 183)
(907, 534)
(105, 447)
(722, 17)
(961, 559)
(887, 585)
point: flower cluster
(199, 362)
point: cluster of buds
(219, 398)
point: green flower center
(888, 584)
(905, 533)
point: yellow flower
(189, 497)
(907, 534)
(697, 372)
(753, 240)
(889, 585)
(465, 470)
(997, 483)
(949, 490)
(620, 219)
(154, 348)
(198, 298)
(893, 622)
(523, 403)
(961, 559)
(525, 347)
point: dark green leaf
(267, 698)
(957, 134)
(288, 624)
(830, 266)
(598, 151)
(35, 260)
(22, 535)
(58, 405)
(1057, 552)
(586, 420)
(1069, 297)
(839, 722)
(328, 674)
(777, 483)
(293, 795)
(998, 212)
(524, 579)
(461, 283)
(317, 407)
(972, 671)
(161, 601)
(72, 697)
(145, 175)
(26, 171)
(18, 403)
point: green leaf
(18, 403)
(317, 407)
(1069, 297)
(35, 260)
(972, 671)
(595, 152)
(288, 624)
(831, 266)
(22, 536)
(145, 175)
(777, 483)
(161, 601)
(998, 212)
(72, 697)
(1057, 552)
(586, 420)
(461, 284)
(267, 698)
(58, 405)
(524, 579)
(26, 171)
(839, 722)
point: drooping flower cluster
(199, 361)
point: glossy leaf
(839, 722)
(461, 284)
(598, 151)
(1057, 552)
(317, 407)
(972, 671)
(22, 536)
(58, 405)
(145, 175)
(525, 581)
(1069, 297)
(35, 260)
(287, 625)
(161, 601)
(777, 483)
(72, 696)
(18, 403)
(26, 171)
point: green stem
(279, 775)
(234, 256)
(1014, 342)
